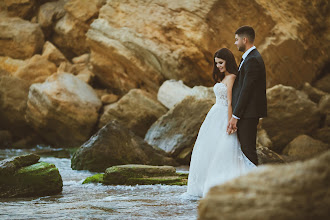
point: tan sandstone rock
(53, 54)
(36, 69)
(19, 39)
(290, 113)
(13, 99)
(177, 40)
(304, 147)
(299, 190)
(11, 65)
(137, 110)
(70, 30)
(63, 109)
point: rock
(49, 13)
(11, 165)
(70, 30)
(19, 39)
(51, 53)
(172, 92)
(36, 69)
(6, 139)
(323, 83)
(65, 67)
(267, 156)
(69, 36)
(290, 113)
(21, 8)
(264, 144)
(24, 176)
(324, 104)
(131, 174)
(13, 99)
(304, 147)
(113, 145)
(142, 51)
(97, 178)
(263, 139)
(176, 131)
(322, 134)
(202, 92)
(86, 76)
(63, 110)
(299, 190)
(313, 93)
(10, 65)
(84, 10)
(137, 110)
(82, 58)
(109, 98)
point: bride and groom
(225, 147)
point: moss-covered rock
(132, 174)
(97, 178)
(38, 179)
(114, 144)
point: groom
(249, 101)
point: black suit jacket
(249, 89)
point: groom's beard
(242, 48)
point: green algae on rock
(97, 178)
(131, 174)
(32, 179)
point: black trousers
(247, 135)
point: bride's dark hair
(231, 65)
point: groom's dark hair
(246, 31)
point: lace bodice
(220, 91)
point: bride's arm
(230, 83)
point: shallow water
(96, 201)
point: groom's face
(239, 42)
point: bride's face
(221, 64)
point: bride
(217, 155)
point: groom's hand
(232, 125)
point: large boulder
(13, 99)
(178, 38)
(299, 190)
(137, 110)
(23, 176)
(114, 144)
(290, 113)
(19, 39)
(36, 69)
(176, 131)
(173, 91)
(63, 110)
(304, 147)
(69, 31)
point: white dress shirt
(244, 56)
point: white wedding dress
(217, 156)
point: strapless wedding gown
(216, 157)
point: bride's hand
(232, 125)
